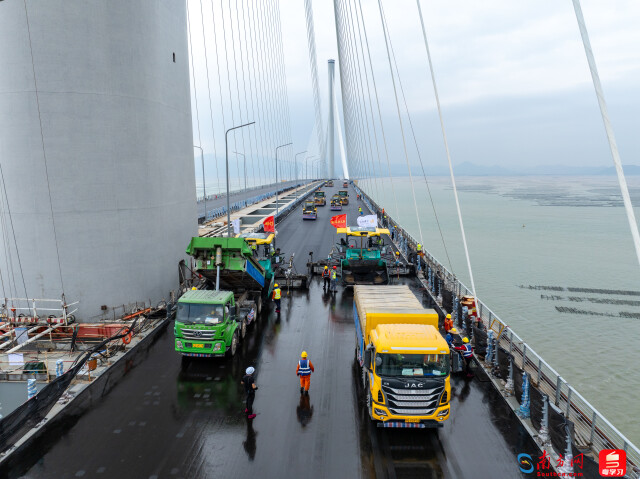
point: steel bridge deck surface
(172, 419)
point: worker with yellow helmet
(276, 295)
(304, 370)
(326, 277)
(467, 354)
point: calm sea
(553, 257)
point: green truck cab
(208, 324)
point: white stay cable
(446, 147)
(404, 143)
(343, 156)
(608, 128)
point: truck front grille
(413, 402)
(196, 334)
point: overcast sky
(512, 76)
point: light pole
(295, 165)
(226, 149)
(277, 205)
(204, 188)
(317, 168)
(244, 160)
(306, 166)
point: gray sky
(513, 78)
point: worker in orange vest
(448, 323)
(304, 370)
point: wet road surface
(169, 419)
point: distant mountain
(473, 169)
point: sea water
(553, 257)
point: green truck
(211, 323)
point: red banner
(339, 221)
(269, 226)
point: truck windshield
(209, 314)
(412, 365)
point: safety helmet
(453, 331)
(326, 267)
(304, 354)
(397, 253)
(465, 340)
(334, 267)
(193, 288)
(250, 370)
(448, 316)
(275, 285)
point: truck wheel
(369, 403)
(364, 376)
(243, 329)
(234, 345)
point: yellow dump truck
(404, 360)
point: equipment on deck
(309, 210)
(319, 198)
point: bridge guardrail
(591, 429)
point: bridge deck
(166, 420)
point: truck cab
(208, 324)
(408, 366)
(319, 198)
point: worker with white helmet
(250, 390)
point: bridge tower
(96, 150)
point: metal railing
(591, 429)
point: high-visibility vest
(325, 273)
(304, 368)
(276, 293)
(468, 351)
(419, 248)
(334, 275)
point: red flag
(269, 226)
(339, 221)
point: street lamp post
(204, 188)
(226, 149)
(244, 160)
(277, 204)
(317, 167)
(295, 165)
(306, 166)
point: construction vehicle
(344, 196)
(336, 203)
(404, 360)
(329, 183)
(361, 256)
(309, 210)
(345, 184)
(212, 323)
(319, 198)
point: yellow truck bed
(390, 305)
